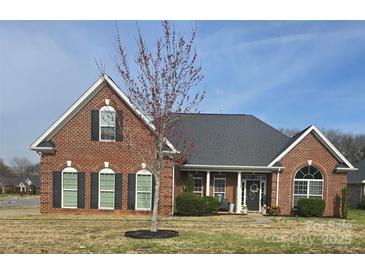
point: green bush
(190, 204)
(311, 207)
(211, 205)
(345, 203)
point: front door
(253, 194)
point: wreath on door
(254, 188)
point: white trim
(345, 169)
(325, 141)
(239, 193)
(201, 179)
(229, 167)
(277, 187)
(44, 149)
(107, 109)
(222, 177)
(207, 184)
(143, 172)
(106, 171)
(68, 170)
(51, 131)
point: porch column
(239, 193)
(207, 184)
(277, 187)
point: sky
(290, 74)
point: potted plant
(244, 209)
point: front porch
(248, 190)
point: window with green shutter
(69, 188)
(106, 189)
(143, 190)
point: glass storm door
(253, 194)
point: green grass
(212, 234)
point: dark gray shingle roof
(227, 139)
(358, 176)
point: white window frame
(308, 181)
(68, 170)
(142, 172)
(198, 177)
(107, 109)
(220, 177)
(106, 171)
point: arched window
(69, 188)
(308, 183)
(106, 188)
(107, 123)
(143, 190)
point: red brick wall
(310, 148)
(73, 142)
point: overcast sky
(289, 74)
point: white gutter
(225, 167)
(42, 148)
(277, 187)
(345, 169)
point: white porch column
(239, 193)
(277, 187)
(207, 184)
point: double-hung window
(69, 188)
(220, 186)
(143, 190)
(106, 188)
(198, 185)
(308, 183)
(107, 124)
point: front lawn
(213, 234)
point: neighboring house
(356, 185)
(20, 184)
(87, 166)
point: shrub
(191, 204)
(344, 203)
(274, 211)
(211, 205)
(188, 203)
(311, 207)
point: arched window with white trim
(69, 188)
(143, 190)
(107, 118)
(106, 188)
(308, 183)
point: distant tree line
(352, 146)
(18, 167)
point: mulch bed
(147, 234)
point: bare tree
(166, 82)
(20, 166)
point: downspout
(173, 190)
(277, 187)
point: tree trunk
(154, 221)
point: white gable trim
(324, 140)
(53, 129)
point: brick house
(87, 167)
